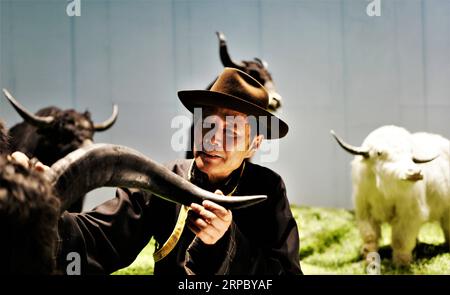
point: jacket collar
(228, 187)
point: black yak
(52, 133)
(256, 68)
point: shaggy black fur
(29, 214)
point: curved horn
(100, 165)
(224, 55)
(422, 161)
(29, 117)
(350, 148)
(108, 123)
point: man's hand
(210, 221)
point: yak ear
(87, 114)
(262, 62)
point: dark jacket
(263, 238)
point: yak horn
(422, 161)
(29, 117)
(350, 148)
(100, 165)
(224, 55)
(108, 123)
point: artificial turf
(330, 244)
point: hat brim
(200, 98)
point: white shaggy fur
(386, 188)
(436, 177)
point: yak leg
(445, 225)
(370, 232)
(404, 235)
(368, 227)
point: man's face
(222, 141)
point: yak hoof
(368, 248)
(402, 259)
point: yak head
(256, 68)
(60, 131)
(67, 131)
(29, 214)
(388, 153)
(3, 139)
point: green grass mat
(330, 244)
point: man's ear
(254, 146)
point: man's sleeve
(237, 254)
(107, 238)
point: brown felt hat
(240, 92)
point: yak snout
(414, 174)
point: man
(261, 239)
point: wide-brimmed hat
(240, 92)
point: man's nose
(216, 139)
(213, 138)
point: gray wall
(335, 66)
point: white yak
(402, 179)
